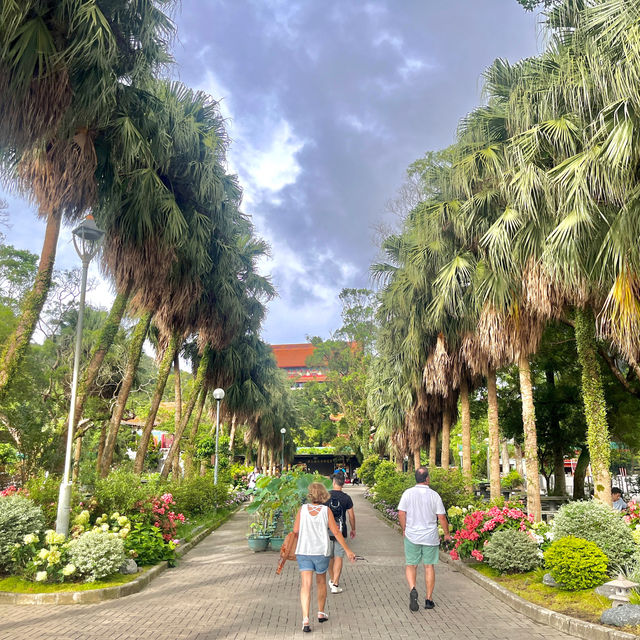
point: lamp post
(282, 431)
(218, 394)
(86, 240)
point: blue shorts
(319, 564)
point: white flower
(123, 521)
(43, 554)
(30, 538)
(68, 570)
(105, 527)
(51, 537)
(41, 576)
(115, 516)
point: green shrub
(512, 480)
(576, 563)
(595, 521)
(96, 554)
(391, 487)
(368, 468)
(147, 546)
(199, 495)
(122, 490)
(512, 551)
(44, 490)
(385, 469)
(450, 484)
(19, 517)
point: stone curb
(108, 593)
(559, 621)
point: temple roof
(292, 355)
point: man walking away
(341, 506)
(419, 511)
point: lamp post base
(64, 508)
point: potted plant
(258, 538)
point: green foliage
(8, 454)
(44, 490)
(391, 486)
(450, 484)
(96, 554)
(385, 469)
(147, 546)
(576, 563)
(512, 480)
(598, 523)
(199, 495)
(19, 517)
(512, 551)
(121, 490)
(368, 468)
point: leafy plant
(368, 468)
(599, 523)
(97, 554)
(450, 484)
(576, 563)
(43, 490)
(385, 469)
(512, 480)
(512, 551)
(147, 546)
(390, 487)
(122, 490)
(19, 517)
(199, 494)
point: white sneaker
(335, 588)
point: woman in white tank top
(313, 522)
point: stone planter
(276, 542)
(258, 543)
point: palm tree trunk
(107, 335)
(518, 456)
(465, 414)
(189, 465)
(161, 383)
(186, 416)
(416, 458)
(101, 445)
(530, 438)
(248, 454)
(445, 451)
(494, 435)
(595, 408)
(399, 464)
(579, 474)
(133, 360)
(506, 465)
(17, 343)
(433, 449)
(232, 435)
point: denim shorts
(319, 564)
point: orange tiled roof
(292, 355)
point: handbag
(287, 550)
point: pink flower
(477, 555)
(454, 555)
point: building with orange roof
(292, 358)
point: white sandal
(322, 616)
(305, 625)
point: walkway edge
(559, 621)
(109, 593)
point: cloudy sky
(328, 102)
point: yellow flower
(41, 576)
(43, 554)
(68, 570)
(54, 557)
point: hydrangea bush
(513, 551)
(43, 558)
(97, 554)
(19, 517)
(597, 522)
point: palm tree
(62, 67)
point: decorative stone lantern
(620, 590)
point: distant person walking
(313, 523)
(419, 510)
(341, 506)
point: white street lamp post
(282, 431)
(218, 394)
(86, 240)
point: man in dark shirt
(341, 506)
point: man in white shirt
(618, 503)
(419, 511)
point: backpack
(338, 513)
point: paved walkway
(221, 590)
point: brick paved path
(222, 590)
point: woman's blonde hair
(317, 493)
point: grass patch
(585, 605)
(14, 584)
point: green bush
(512, 480)
(96, 554)
(595, 521)
(368, 468)
(385, 469)
(512, 551)
(19, 517)
(450, 484)
(391, 487)
(122, 490)
(576, 563)
(147, 546)
(44, 490)
(199, 495)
